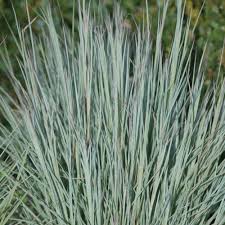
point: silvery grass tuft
(109, 130)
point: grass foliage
(107, 131)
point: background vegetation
(211, 26)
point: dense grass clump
(109, 131)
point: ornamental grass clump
(109, 130)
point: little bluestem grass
(97, 136)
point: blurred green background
(210, 28)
